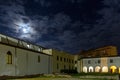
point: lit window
(39, 49)
(38, 58)
(28, 45)
(9, 57)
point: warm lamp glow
(105, 69)
(113, 69)
(97, 69)
(85, 69)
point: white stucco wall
(6, 69)
(34, 67)
(25, 62)
(104, 62)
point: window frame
(9, 57)
(39, 59)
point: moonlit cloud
(59, 28)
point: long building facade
(61, 60)
(103, 60)
(101, 64)
(100, 52)
(19, 58)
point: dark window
(75, 62)
(57, 66)
(9, 57)
(89, 61)
(57, 57)
(38, 58)
(64, 67)
(75, 68)
(64, 59)
(60, 58)
(111, 60)
(69, 61)
(72, 67)
(72, 61)
(69, 67)
(98, 61)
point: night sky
(69, 25)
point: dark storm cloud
(57, 28)
(10, 12)
(12, 15)
(43, 3)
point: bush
(71, 71)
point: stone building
(61, 60)
(100, 64)
(19, 58)
(104, 59)
(99, 52)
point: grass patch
(95, 74)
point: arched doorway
(105, 69)
(97, 69)
(119, 69)
(90, 69)
(85, 69)
(113, 69)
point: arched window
(113, 69)
(9, 57)
(90, 69)
(97, 69)
(85, 69)
(105, 69)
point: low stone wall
(115, 77)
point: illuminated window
(85, 69)
(90, 69)
(38, 58)
(9, 57)
(28, 45)
(105, 69)
(113, 69)
(97, 69)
